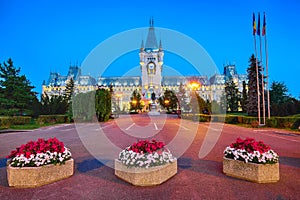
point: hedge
(275, 122)
(6, 122)
(283, 122)
(42, 119)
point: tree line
(17, 98)
(232, 100)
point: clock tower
(151, 62)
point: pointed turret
(160, 45)
(151, 42)
(142, 46)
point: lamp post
(167, 103)
(134, 102)
(194, 86)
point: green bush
(231, 119)
(218, 118)
(272, 122)
(52, 119)
(248, 120)
(296, 124)
(204, 118)
(282, 122)
(6, 122)
(20, 120)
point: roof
(151, 42)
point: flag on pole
(254, 24)
(264, 26)
(258, 25)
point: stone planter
(259, 173)
(27, 177)
(145, 177)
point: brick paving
(196, 179)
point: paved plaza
(197, 178)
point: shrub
(296, 124)
(6, 122)
(249, 120)
(42, 119)
(217, 118)
(20, 120)
(230, 119)
(204, 118)
(254, 124)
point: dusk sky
(45, 36)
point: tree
(232, 96)
(135, 103)
(282, 104)
(182, 98)
(252, 108)
(168, 100)
(84, 106)
(69, 91)
(16, 97)
(244, 99)
(53, 106)
(103, 104)
(278, 93)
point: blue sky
(44, 36)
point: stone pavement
(196, 179)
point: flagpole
(262, 73)
(267, 69)
(257, 82)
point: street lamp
(194, 85)
(167, 103)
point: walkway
(196, 179)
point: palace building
(151, 57)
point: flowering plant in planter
(145, 154)
(249, 150)
(39, 153)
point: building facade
(151, 57)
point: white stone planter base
(259, 173)
(28, 177)
(145, 177)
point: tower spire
(142, 46)
(151, 42)
(160, 45)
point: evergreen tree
(54, 105)
(252, 108)
(278, 93)
(223, 103)
(16, 97)
(244, 99)
(182, 98)
(232, 95)
(135, 103)
(282, 104)
(103, 104)
(69, 91)
(168, 100)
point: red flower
(250, 145)
(146, 146)
(39, 146)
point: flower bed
(249, 150)
(38, 163)
(146, 163)
(251, 160)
